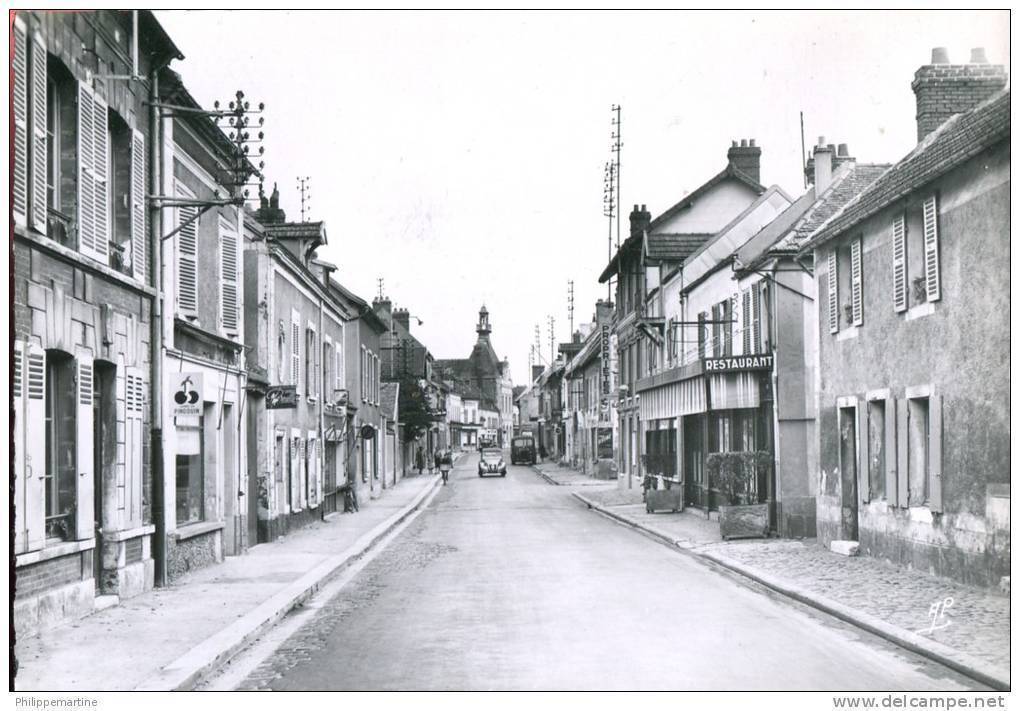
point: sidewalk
(567, 476)
(169, 637)
(885, 599)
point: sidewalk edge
(191, 667)
(548, 479)
(966, 664)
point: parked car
(491, 462)
(522, 450)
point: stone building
(83, 303)
(913, 328)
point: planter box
(664, 499)
(744, 521)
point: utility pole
(617, 145)
(570, 305)
(552, 340)
(609, 210)
(379, 282)
(305, 187)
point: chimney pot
(752, 143)
(842, 150)
(977, 56)
(644, 208)
(943, 90)
(743, 143)
(940, 55)
(734, 144)
(821, 141)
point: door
(848, 470)
(694, 459)
(99, 470)
(252, 495)
(231, 482)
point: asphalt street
(510, 583)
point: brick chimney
(403, 317)
(746, 158)
(603, 311)
(943, 89)
(640, 219)
(536, 372)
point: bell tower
(483, 329)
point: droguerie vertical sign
(186, 394)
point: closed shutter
(902, 445)
(935, 453)
(833, 293)
(863, 460)
(35, 447)
(899, 264)
(139, 237)
(313, 359)
(38, 191)
(187, 254)
(891, 459)
(87, 242)
(295, 351)
(931, 250)
(100, 169)
(856, 282)
(17, 405)
(133, 415)
(745, 318)
(756, 334)
(84, 503)
(727, 328)
(339, 366)
(228, 277)
(717, 330)
(19, 99)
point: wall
(930, 344)
(712, 211)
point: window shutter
(339, 366)
(863, 463)
(856, 282)
(727, 328)
(935, 453)
(133, 415)
(931, 249)
(139, 237)
(891, 460)
(745, 318)
(35, 447)
(100, 167)
(902, 444)
(39, 135)
(87, 242)
(187, 255)
(17, 404)
(313, 358)
(899, 264)
(19, 99)
(295, 351)
(228, 277)
(756, 335)
(84, 504)
(833, 293)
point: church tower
(483, 329)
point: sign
(367, 432)
(187, 394)
(604, 442)
(736, 363)
(281, 397)
(607, 379)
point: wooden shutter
(899, 263)
(228, 277)
(35, 447)
(339, 366)
(295, 350)
(756, 324)
(863, 463)
(38, 95)
(891, 459)
(902, 447)
(931, 249)
(84, 503)
(833, 292)
(187, 255)
(139, 237)
(100, 169)
(727, 328)
(856, 282)
(133, 432)
(17, 405)
(935, 453)
(19, 99)
(745, 318)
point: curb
(190, 668)
(548, 479)
(970, 666)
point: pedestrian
(541, 451)
(419, 460)
(445, 464)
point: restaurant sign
(733, 364)
(281, 397)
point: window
(61, 441)
(856, 282)
(188, 223)
(311, 352)
(30, 104)
(190, 487)
(916, 270)
(877, 452)
(327, 373)
(833, 286)
(281, 359)
(921, 450)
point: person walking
(419, 460)
(444, 460)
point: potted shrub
(732, 473)
(669, 498)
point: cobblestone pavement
(979, 619)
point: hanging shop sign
(736, 363)
(187, 394)
(607, 380)
(281, 397)
(604, 441)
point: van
(522, 450)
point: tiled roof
(957, 140)
(846, 187)
(674, 246)
(295, 230)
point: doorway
(231, 483)
(104, 451)
(848, 470)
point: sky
(459, 156)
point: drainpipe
(777, 489)
(159, 549)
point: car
(491, 462)
(522, 450)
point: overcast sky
(459, 156)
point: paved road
(509, 583)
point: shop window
(61, 445)
(190, 488)
(876, 451)
(918, 451)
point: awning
(685, 397)
(731, 391)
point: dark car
(522, 450)
(491, 462)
